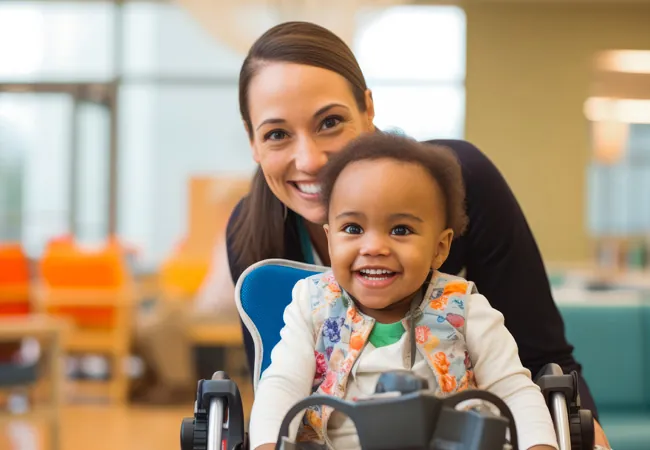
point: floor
(103, 427)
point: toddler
(394, 206)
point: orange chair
(14, 280)
(182, 274)
(92, 288)
(64, 267)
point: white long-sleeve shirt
(491, 347)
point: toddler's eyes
(353, 229)
(401, 230)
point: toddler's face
(386, 230)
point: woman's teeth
(309, 188)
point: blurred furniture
(217, 329)
(210, 200)
(176, 330)
(223, 331)
(611, 335)
(197, 274)
(49, 333)
(14, 303)
(14, 280)
(94, 289)
(193, 263)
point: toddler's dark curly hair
(438, 161)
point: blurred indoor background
(122, 153)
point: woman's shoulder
(486, 189)
(474, 162)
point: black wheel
(194, 434)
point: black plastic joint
(552, 384)
(223, 389)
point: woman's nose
(309, 157)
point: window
(618, 177)
(413, 58)
(179, 118)
(619, 191)
(11, 189)
(54, 151)
(56, 41)
(35, 134)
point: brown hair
(259, 228)
(437, 160)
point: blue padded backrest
(611, 344)
(645, 327)
(264, 293)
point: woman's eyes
(275, 135)
(327, 124)
(331, 122)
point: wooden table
(218, 333)
(114, 341)
(221, 330)
(50, 334)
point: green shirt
(384, 334)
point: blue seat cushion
(627, 430)
(609, 343)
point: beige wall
(528, 69)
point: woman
(302, 96)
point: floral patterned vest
(342, 331)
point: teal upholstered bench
(612, 342)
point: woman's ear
(370, 108)
(442, 249)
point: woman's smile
(310, 190)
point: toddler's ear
(326, 227)
(442, 249)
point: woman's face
(300, 114)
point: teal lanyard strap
(305, 242)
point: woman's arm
(290, 375)
(498, 369)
